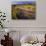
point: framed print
(24, 10)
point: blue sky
(14, 1)
(22, 0)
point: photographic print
(23, 10)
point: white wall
(25, 26)
(40, 15)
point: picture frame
(23, 10)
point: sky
(22, 0)
(13, 1)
